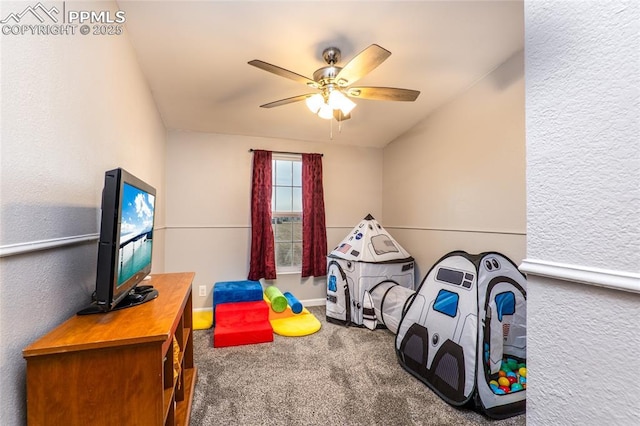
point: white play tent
(464, 324)
(368, 255)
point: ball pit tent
(463, 332)
(367, 256)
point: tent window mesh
(383, 244)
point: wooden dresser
(118, 368)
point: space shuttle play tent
(464, 332)
(368, 255)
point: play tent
(367, 256)
(466, 323)
(390, 302)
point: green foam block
(277, 299)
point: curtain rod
(285, 152)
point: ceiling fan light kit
(334, 83)
(325, 112)
(314, 102)
(337, 100)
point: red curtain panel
(314, 231)
(263, 260)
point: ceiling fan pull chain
(331, 131)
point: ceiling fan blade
(283, 72)
(362, 64)
(383, 93)
(338, 115)
(286, 101)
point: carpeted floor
(337, 376)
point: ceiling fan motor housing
(326, 75)
(331, 55)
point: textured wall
(72, 108)
(583, 190)
(209, 230)
(583, 344)
(583, 152)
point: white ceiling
(195, 54)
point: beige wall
(457, 180)
(208, 204)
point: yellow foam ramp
(300, 325)
(287, 323)
(202, 320)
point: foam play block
(287, 313)
(242, 323)
(286, 323)
(202, 320)
(249, 334)
(242, 313)
(275, 296)
(296, 326)
(235, 291)
(293, 302)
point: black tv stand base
(138, 296)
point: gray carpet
(337, 376)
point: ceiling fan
(334, 83)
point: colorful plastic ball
(494, 383)
(512, 363)
(506, 389)
(502, 373)
(511, 374)
(516, 387)
(522, 371)
(522, 364)
(512, 379)
(498, 391)
(523, 380)
(503, 381)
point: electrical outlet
(203, 291)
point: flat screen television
(126, 243)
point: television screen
(126, 243)
(136, 232)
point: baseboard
(618, 280)
(314, 302)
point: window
(286, 211)
(505, 304)
(447, 303)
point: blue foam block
(236, 291)
(296, 306)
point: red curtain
(314, 231)
(263, 260)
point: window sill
(288, 272)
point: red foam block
(242, 323)
(249, 334)
(239, 313)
